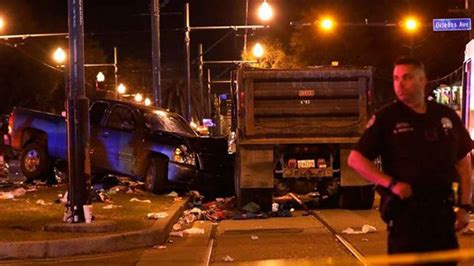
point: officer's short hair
(404, 60)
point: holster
(390, 204)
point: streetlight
(121, 89)
(59, 56)
(138, 97)
(258, 50)
(147, 101)
(100, 77)
(265, 12)
(327, 24)
(2, 23)
(410, 24)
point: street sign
(452, 24)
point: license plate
(306, 164)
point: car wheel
(34, 161)
(156, 175)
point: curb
(158, 233)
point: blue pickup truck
(149, 144)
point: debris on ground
(228, 258)
(6, 195)
(159, 247)
(157, 215)
(177, 234)
(468, 231)
(365, 229)
(42, 202)
(139, 200)
(172, 194)
(251, 207)
(111, 206)
(254, 237)
(194, 231)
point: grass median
(23, 218)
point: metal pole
(78, 115)
(468, 4)
(156, 56)
(187, 95)
(209, 106)
(246, 23)
(115, 69)
(201, 80)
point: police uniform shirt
(420, 149)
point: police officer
(424, 148)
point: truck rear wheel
(34, 162)
(156, 175)
(357, 197)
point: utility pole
(187, 40)
(156, 55)
(201, 80)
(115, 69)
(468, 4)
(77, 108)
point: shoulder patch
(370, 122)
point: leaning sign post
(452, 24)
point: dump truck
(292, 131)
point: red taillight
(292, 163)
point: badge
(402, 127)
(447, 123)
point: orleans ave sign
(452, 24)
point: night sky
(126, 25)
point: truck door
(98, 153)
(119, 139)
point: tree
(275, 56)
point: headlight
(182, 155)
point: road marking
(349, 247)
(210, 245)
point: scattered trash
(172, 194)
(253, 237)
(194, 231)
(171, 241)
(6, 195)
(139, 200)
(365, 229)
(157, 215)
(251, 207)
(468, 231)
(177, 227)
(275, 207)
(177, 234)
(365, 240)
(42, 202)
(18, 192)
(178, 199)
(111, 206)
(228, 258)
(159, 247)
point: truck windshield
(160, 120)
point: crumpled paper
(365, 229)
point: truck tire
(34, 162)
(156, 175)
(357, 197)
